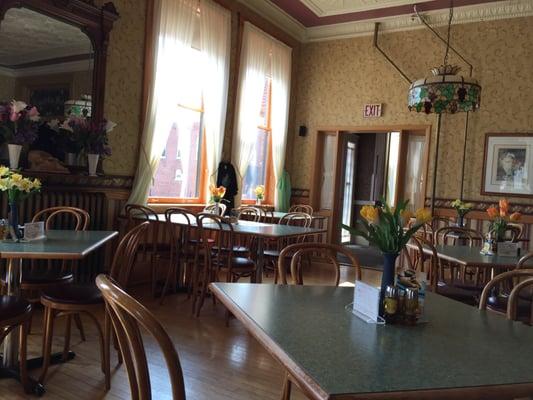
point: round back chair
(305, 208)
(444, 235)
(212, 209)
(58, 217)
(250, 213)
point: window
(180, 178)
(260, 168)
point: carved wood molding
(526, 209)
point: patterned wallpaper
(336, 78)
(124, 85)
(7, 87)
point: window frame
(202, 178)
(269, 176)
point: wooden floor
(218, 362)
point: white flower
(18, 106)
(109, 126)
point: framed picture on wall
(508, 164)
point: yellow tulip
(406, 215)
(422, 215)
(371, 214)
(515, 216)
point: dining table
(460, 352)
(57, 245)
(259, 230)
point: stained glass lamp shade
(444, 92)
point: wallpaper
(7, 87)
(336, 78)
(124, 82)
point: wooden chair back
(124, 257)
(447, 234)
(323, 251)
(59, 216)
(127, 315)
(179, 234)
(250, 213)
(512, 304)
(515, 277)
(212, 209)
(304, 208)
(223, 236)
(513, 232)
(522, 262)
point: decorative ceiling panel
(324, 8)
(27, 36)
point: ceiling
(326, 12)
(27, 37)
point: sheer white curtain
(255, 66)
(215, 38)
(281, 88)
(173, 32)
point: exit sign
(372, 111)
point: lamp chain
(448, 38)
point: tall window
(259, 170)
(179, 176)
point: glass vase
(14, 221)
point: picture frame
(508, 165)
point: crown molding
(364, 6)
(60, 68)
(278, 17)
(462, 15)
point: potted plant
(96, 143)
(19, 124)
(500, 220)
(387, 229)
(17, 188)
(259, 194)
(462, 209)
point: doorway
(360, 167)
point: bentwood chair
(213, 209)
(127, 316)
(85, 299)
(250, 213)
(41, 277)
(301, 208)
(152, 248)
(272, 255)
(496, 295)
(218, 258)
(182, 247)
(454, 287)
(16, 312)
(325, 253)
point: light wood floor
(218, 362)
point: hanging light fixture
(444, 92)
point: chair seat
(499, 304)
(466, 285)
(457, 293)
(240, 263)
(73, 294)
(12, 307)
(197, 241)
(45, 277)
(236, 249)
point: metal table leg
(260, 260)
(10, 354)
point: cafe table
(58, 245)
(259, 230)
(459, 353)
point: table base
(36, 387)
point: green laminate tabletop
(461, 353)
(59, 244)
(471, 256)
(257, 229)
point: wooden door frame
(314, 192)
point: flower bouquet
(462, 209)
(387, 229)
(260, 193)
(217, 195)
(96, 143)
(500, 220)
(19, 124)
(17, 188)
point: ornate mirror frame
(96, 22)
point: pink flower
(34, 114)
(14, 116)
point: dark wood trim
(51, 61)
(487, 136)
(95, 22)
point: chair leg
(102, 348)
(47, 338)
(170, 273)
(107, 346)
(66, 346)
(287, 386)
(79, 325)
(23, 347)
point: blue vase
(389, 270)
(14, 220)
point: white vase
(259, 202)
(14, 155)
(92, 160)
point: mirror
(46, 63)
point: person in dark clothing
(228, 178)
